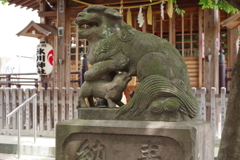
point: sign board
(44, 59)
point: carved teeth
(84, 26)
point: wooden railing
(16, 79)
(54, 105)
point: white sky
(13, 20)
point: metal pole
(35, 118)
(84, 68)
(16, 109)
(19, 130)
(222, 68)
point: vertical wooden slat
(55, 101)
(14, 105)
(27, 120)
(174, 29)
(183, 36)
(153, 24)
(194, 91)
(200, 31)
(67, 59)
(63, 102)
(191, 30)
(144, 27)
(41, 109)
(49, 120)
(223, 106)
(134, 21)
(7, 95)
(170, 30)
(2, 117)
(161, 27)
(77, 49)
(213, 113)
(76, 102)
(20, 101)
(70, 105)
(203, 104)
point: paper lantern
(44, 59)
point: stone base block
(133, 140)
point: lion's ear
(113, 13)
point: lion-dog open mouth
(86, 24)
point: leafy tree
(4, 1)
(220, 4)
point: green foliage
(4, 1)
(176, 8)
(220, 4)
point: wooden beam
(22, 2)
(27, 3)
(47, 14)
(10, 2)
(32, 6)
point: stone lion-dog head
(97, 22)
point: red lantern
(45, 59)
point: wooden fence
(55, 105)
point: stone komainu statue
(115, 46)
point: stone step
(44, 147)
(4, 156)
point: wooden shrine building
(197, 35)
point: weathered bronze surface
(115, 46)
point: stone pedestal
(133, 140)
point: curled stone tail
(157, 86)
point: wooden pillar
(144, 27)
(68, 48)
(42, 8)
(172, 30)
(200, 31)
(61, 49)
(232, 46)
(211, 43)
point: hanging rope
(138, 6)
(121, 7)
